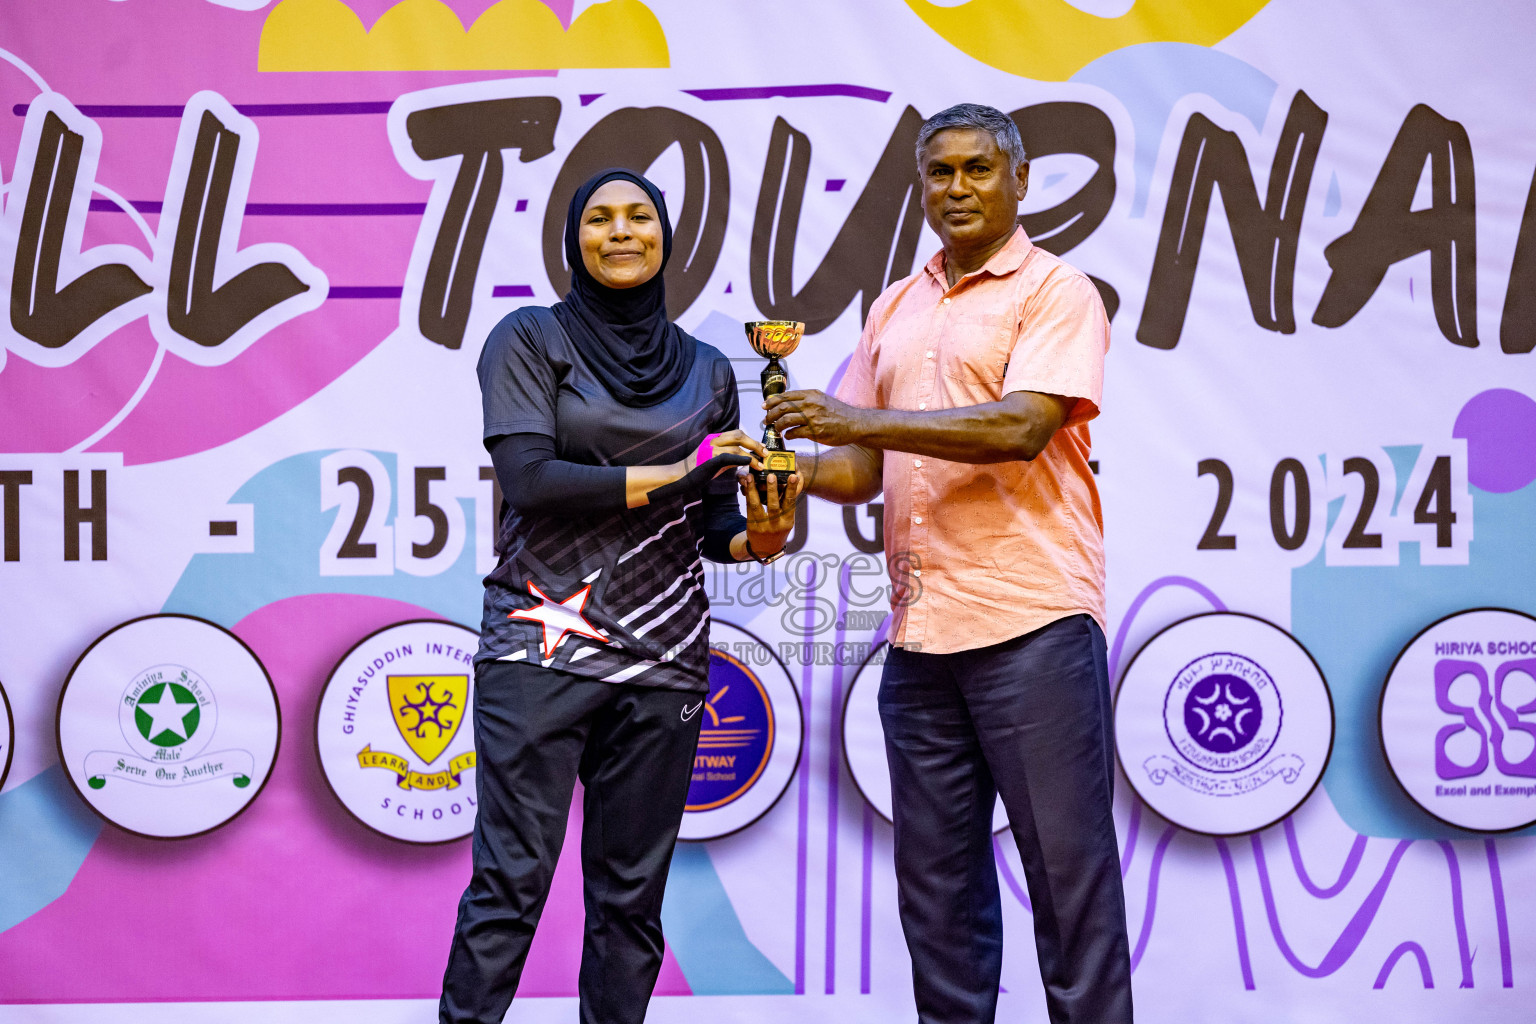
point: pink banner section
(292, 900)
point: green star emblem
(167, 714)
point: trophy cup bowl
(772, 339)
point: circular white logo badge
(395, 731)
(168, 726)
(749, 736)
(864, 741)
(1458, 719)
(1223, 723)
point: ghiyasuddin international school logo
(395, 732)
(168, 726)
(749, 736)
(1223, 723)
(428, 711)
(1458, 719)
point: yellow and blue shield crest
(428, 710)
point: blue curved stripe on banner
(706, 935)
(1151, 78)
(1332, 606)
(227, 587)
(45, 834)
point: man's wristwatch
(763, 559)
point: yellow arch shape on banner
(1051, 40)
(425, 35)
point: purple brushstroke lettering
(1459, 911)
(1396, 955)
(804, 810)
(1007, 873)
(364, 291)
(1151, 911)
(866, 915)
(1500, 912)
(768, 92)
(1131, 832)
(1351, 865)
(1238, 926)
(1349, 939)
(834, 775)
(1141, 599)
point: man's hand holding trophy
(773, 339)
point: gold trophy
(772, 339)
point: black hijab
(641, 357)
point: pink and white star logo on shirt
(559, 618)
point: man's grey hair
(982, 118)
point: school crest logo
(749, 735)
(1458, 719)
(428, 711)
(168, 715)
(165, 723)
(1223, 723)
(395, 731)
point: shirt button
(930, 353)
(946, 300)
(922, 405)
(918, 520)
(917, 572)
(918, 463)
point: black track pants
(536, 731)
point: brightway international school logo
(1223, 723)
(395, 731)
(749, 738)
(1458, 719)
(168, 726)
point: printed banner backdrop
(251, 249)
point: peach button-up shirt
(982, 554)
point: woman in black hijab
(601, 417)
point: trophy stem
(774, 382)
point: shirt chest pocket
(976, 348)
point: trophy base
(778, 464)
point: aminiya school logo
(1223, 723)
(395, 731)
(169, 716)
(168, 726)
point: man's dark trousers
(1029, 718)
(536, 730)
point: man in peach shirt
(967, 401)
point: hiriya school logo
(395, 731)
(1223, 723)
(168, 726)
(749, 736)
(1458, 719)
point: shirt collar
(1005, 261)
